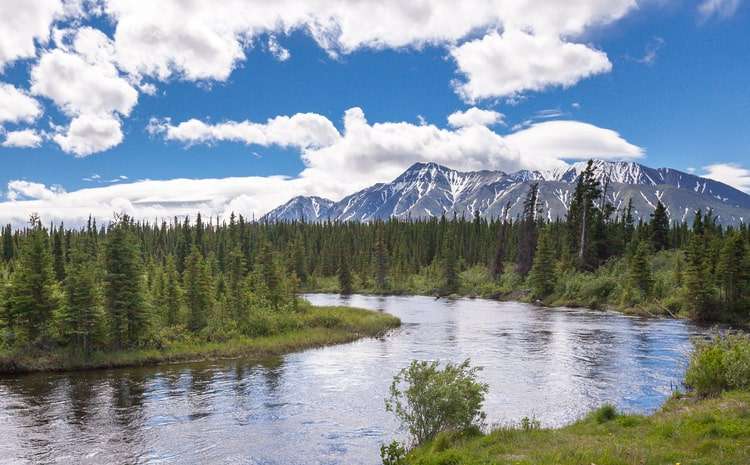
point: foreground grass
(685, 431)
(319, 326)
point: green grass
(685, 431)
(317, 326)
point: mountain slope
(430, 190)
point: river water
(325, 406)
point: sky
(168, 108)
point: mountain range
(428, 190)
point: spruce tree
(124, 298)
(542, 274)
(381, 260)
(659, 228)
(82, 311)
(198, 290)
(31, 298)
(639, 270)
(697, 288)
(8, 247)
(731, 270)
(449, 263)
(58, 255)
(172, 293)
(345, 276)
(527, 236)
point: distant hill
(430, 190)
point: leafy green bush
(429, 400)
(393, 453)
(720, 364)
(605, 413)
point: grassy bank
(314, 327)
(685, 431)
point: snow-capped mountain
(310, 208)
(431, 190)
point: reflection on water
(325, 406)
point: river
(325, 406)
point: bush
(429, 400)
(393, 453)
(605, 413)
(720, 364)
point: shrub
(393, 453)
(605, 413)
(429, 400)
(720, 364)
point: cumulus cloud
(506, 64)
(78, 86)
(301, 130)
(475, 117)
(16, 106)
(729, 173)
(88, 134)
(24, 22)
(86, 85)
(26, 138)
(718, 8)
(197, 40)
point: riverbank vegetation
(708, 425)
(131, 294)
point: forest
(141, 285)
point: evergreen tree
(31, 298)
(542, 275)
(123, 286)
(731, 271)
(582, 218)
(381, 261)
(58, 255)
(345, 276)
(449, 262)
(697, 279)
(639, 270)
(527, 237)
(172, 293)
(198, 290)
(82, 311)
(659, 228)
(8, 248)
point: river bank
(321, 326)
(684, 431)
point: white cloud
(573, 140)
(197, 40)
(718, 8)
(16, 106)
(281, 53)
(86, 86)
(504, 65)
(78, 86)
(23, 22)
(475, 116)
(729, 173)
(88, 134)
(26, 138)
(18, 190)
(300, 130)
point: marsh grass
(314, 327)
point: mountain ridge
(428, 189)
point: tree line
(130, 283)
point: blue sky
(666, 79)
